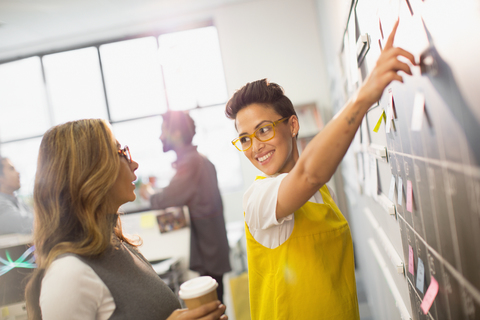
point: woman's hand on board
(210, 311)
(385, 70)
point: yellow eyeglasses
(263, 134)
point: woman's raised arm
(323, 154)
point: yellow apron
(311, 275)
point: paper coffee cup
(198, 291)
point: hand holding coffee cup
(198, 291)
(212, 310)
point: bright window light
(213, 135)
(75, 85)
(142, 79)
(23, 104)
(193, 69)
(133, 78)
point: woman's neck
(293, 158)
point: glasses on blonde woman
(125, 152)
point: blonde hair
(78, 164)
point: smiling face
(277, 155)
(123, 190)
(9, 178)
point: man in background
(194, 185)
(15, 215)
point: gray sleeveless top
(137, 290)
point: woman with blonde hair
(87, 269)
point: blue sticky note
(420, 275)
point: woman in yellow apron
(299, 247)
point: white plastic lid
(197, 287)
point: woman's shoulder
(70, 275)
(263, 189)
(266, 182)
(68, 266)
(76, 286)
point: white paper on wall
(352, 43)
(366, 166)
(373, 177)
(417, 113)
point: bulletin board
(417, 152)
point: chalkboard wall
(415, 163)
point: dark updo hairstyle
(261, 92)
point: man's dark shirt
(195, 185)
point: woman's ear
(294, 125)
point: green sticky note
(379, 122)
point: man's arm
(179, 191)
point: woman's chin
(269, 171)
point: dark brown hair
(180, 120)
(260, 92)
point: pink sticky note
(409, 195)
(410, 260)
(429, 296)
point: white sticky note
(346, 61)
(366, 166)
(352, 39)
(400, 191)
(373, 177)
(391, 192)
(365, 133)
(389, 120)
(417, 113)
(420, 275)
(360, 167)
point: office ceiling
(33, 23)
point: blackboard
(441, 159)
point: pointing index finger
(389, 42)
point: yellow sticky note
(379, 122)
(5, 312)
(147, 221)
